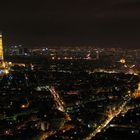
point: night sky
(103, 23)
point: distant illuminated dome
(139, 86)
(122, 61)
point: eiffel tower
(1, 49)
(3, 69)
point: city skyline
(69, 70)
(110, 23)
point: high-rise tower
(1, 48)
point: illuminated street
(109, 118)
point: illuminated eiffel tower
(3, 69)
(1, 49)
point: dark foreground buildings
(48, 102)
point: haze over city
(69, 70)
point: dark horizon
(101, 23)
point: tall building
(3, 69)
(1, 48)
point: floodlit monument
(3, 68)
(1, 48)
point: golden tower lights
(1, 49)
